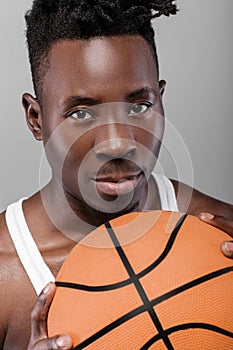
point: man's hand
(224, 224)
(39, 337)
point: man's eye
(82, 115)
(139, 108)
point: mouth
(117, 184)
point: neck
(76, 219)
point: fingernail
(228, 247)
(206, 216)
(47, 288)
(61, 341)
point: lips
(117, 177)
(117, 184)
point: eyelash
(92, 117)
(148, 106)
(84, 110)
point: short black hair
(49, 21)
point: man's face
(102, 121)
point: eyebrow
(91, 101)
(79, 100)
(143, 91)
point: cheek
(65, 148)
(149, 141)
(148, 151)
(149, 138)
(77, 165)
(76, 153)
(151, 131)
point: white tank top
(26, 248)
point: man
(98, 110)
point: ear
(33, 115)
(162, 84)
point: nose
(115, 141)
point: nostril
(115, 148)
(130, 153)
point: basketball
(150, 280)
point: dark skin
(105, 71)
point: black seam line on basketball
(138, 286)
(175, 291)
(187, 326)
(139, 310)
(139, 275)
(192, 284)
(111, 326)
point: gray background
(195, 51)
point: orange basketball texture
(131, 284)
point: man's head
(99, 99)
(50, 21)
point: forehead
(100, 64)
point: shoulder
(4, 254)
(12, 281)
(194, 202)
(6, 247)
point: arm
(208, 209)
(195, 202)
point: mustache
(119, 166)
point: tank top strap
(166, 192)
(26, 248)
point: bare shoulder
(16, 294)
(194, 202)
(7, 252)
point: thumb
(62, 342)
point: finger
(218, 221)
(223, 224)
(40, 312)
(227, 249)
(59, 342)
